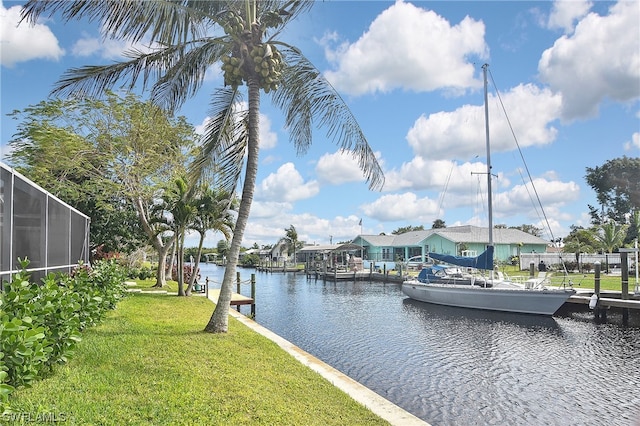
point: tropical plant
(610, 236)
(177, 211)
(578, 241)
(188, 39)
(291, 241)
(409, 228)
(214, 213)
(40, 323)
(438, 223)
(633, 231)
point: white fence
(612, 259)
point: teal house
(456, 240)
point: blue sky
(568, 73)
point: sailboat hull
(539, 302)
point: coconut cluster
(251, 57)
(263, 59)
(267, 63)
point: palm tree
(213, 213)
(611, 236)
(251, 54)
(178, 214)
(291, 240)
(634, 227)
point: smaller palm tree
(291, 241)
(611, 236)
(214, 213)
(177, 212)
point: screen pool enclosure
(36, 225)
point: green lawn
(580, 281)
(149, 363)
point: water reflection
(457, 366)
(429, 311)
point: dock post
(238, 288)
(253, 295)
(624, 266)
(598, 311)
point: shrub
(250, 260)
(40, 324)
(188, 270)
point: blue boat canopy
(483, 261)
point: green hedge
(40, 324)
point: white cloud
(338, 168)
(268, 138)
(461, 134)
(565, 13)
(24, 42)
(440, 175)
(634, 143)
(522, 198)
(412, 48)
(269, 209)
(107, 48)
(600, 60)
(311, 229)
(286, 184)
(405, 207)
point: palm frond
(309, 100)
(166, 21)
(186, 72)
(176, 72)
(224, 142)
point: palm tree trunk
(180, 267)
(161, 271)
(219, 321)
(196, 265)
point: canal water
(452, 366)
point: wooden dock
(614, 300)
(236, 299)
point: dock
(611, 299)
(236, 298)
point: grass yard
(150, 363)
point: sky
(566, 98)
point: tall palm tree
(243, 35)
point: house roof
(348, 247)
(379, 240)
(475, 234)
(456, 234)
(412, 238)
(321, 248)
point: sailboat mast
(486, 126)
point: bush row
(40, 324)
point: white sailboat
(502, 295)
